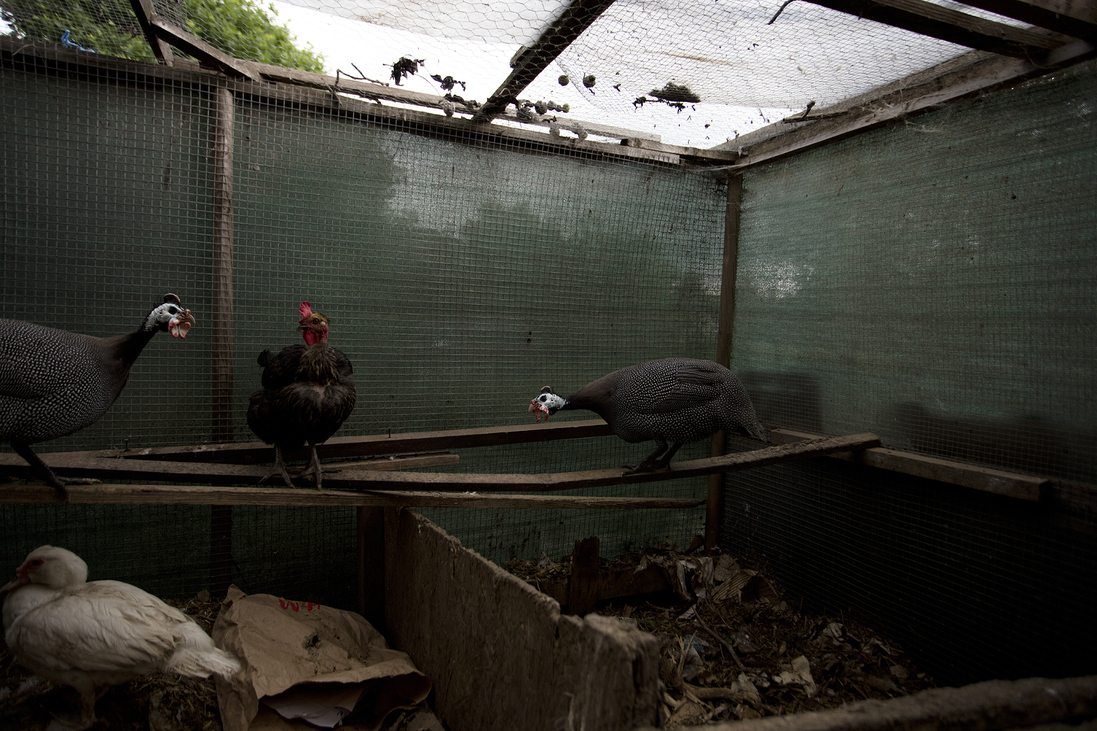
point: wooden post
(221, 324)
(723, 346)
(583, 583)
(371, 565)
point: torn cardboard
(308, 666)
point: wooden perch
(309, 496)
(81, 465)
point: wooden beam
(368, 446)
(33, 493)
(80, 463)
(198, 48)
(986, 479)
(357, 479)
(956, 81)
(145, 12)
(318, 97)
(725, 326)
(1076, 18)
(949, 25)
(223, 319)
(530, 62)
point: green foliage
(106, 26)
(244, 30)
(240, 28)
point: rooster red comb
(306, 311)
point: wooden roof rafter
(1075, 18)
(162, 34)
(529, 62)
(953, 26)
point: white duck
(93, 634)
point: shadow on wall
(784, 400)
(1022, 444)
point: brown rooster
(307, 394)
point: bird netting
(689, 72)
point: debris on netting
(448, 82)
(732, 646)
(672, 92)
(405, 67)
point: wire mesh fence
(902, 313)
(459, 278)
(930, 282)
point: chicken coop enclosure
(881, 215)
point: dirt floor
(733, 647)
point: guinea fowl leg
(652, 463)
(664, 461)
(279, 468)
(24, 451)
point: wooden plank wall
(500, 654)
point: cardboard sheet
(308, 661)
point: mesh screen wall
(934, 283)
(460, 275)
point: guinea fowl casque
(307, 394)
(55, 382)
(93, 634)
(673, 400)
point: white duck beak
(21, 579)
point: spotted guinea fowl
(307, 394)
(55, 382)
(673, 400)
(93, 634)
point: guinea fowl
(673, 400)
(93, 634)
(55, 382)
(308, 392)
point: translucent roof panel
(688, 72)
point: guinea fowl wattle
(55, 382)
(672, 400)
(307, 394)
(92, 634)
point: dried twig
(721, 640)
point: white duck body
(93, 634)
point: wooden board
(500, 654)
(351, 479)
(13, 493)
(1001, 482)
(1035, 704)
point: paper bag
(308, 661)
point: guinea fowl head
(170, 316)
(546, 404)
(50, 566)
(313, 325)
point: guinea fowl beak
(180, 324)
(538, 409)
